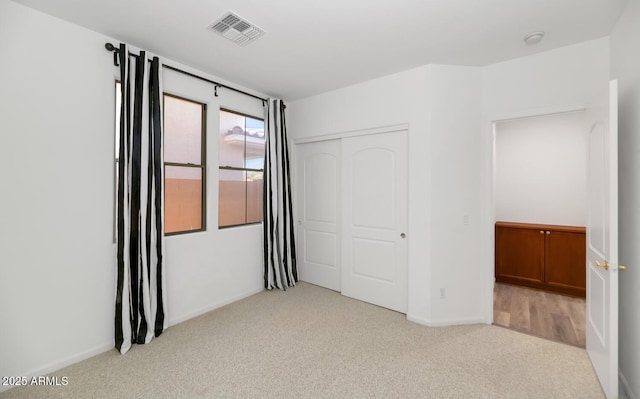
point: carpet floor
(309, 342)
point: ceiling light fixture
(533, 38)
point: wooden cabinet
(547, 257)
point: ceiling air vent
(236, 29)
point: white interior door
(602, 242)
(318, 176)
(374, 219)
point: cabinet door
(565, 260)
(519, 255)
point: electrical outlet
(443, 293)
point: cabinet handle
(541, 232)
(548, 232)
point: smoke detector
(533, 38)
(236, 29)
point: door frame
(353, 133)
(489, 137)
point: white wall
(441, 106)
(56, 167)
(541, 170)
(455, 172)
(565, 78)
(212, 268)
(57, 257)
(625, 65)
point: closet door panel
(374, 219)
(318, 194)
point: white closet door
(374, 219)
(318, 178)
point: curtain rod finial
(110, 47)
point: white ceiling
(315, 46)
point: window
(184, 165)
(241, 169)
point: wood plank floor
(552, 316)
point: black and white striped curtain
(140, 291)
(280, 269)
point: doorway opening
(540, 209)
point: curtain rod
(115, 50)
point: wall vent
(236, 29)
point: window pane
(255, 143)
(254, 197)
(232, 137)
(182, 130)
(182, 198)
(232, 204)
(242, 145)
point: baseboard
(55, 366)
(625, 391)
(444, 323)
(217, 305)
